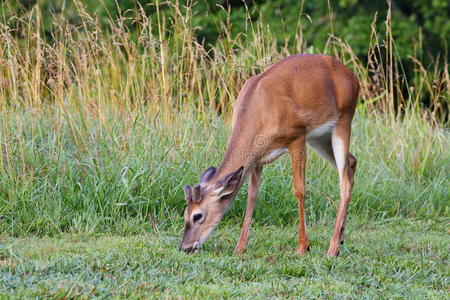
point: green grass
(91, 205)
(403, 259)
(66, 174)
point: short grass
(400, 259)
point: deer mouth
(191, 248)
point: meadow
(101, 129)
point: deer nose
(189, 248)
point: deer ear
(209, 173)
(187, 192)
(229, 183)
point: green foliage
(99, 131)
(351, 19)
(118, 172)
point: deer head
(206, 204)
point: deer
(301, 99)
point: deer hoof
(302, 250)
(333, 251)
(239, 250)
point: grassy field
(121, 178)
(400, 259)
(100, 130)
(103, 217)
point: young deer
(300, 99)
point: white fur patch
(322, 130)
(272, 155)
(339, 152)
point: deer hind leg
(297, 151)
(255, 178)
(346, 166)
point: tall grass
(101, 128)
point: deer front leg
(255, 178)
(297, 151)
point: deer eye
(197, 217)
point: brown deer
(300, 99)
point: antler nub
(196, 193)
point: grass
(92, 178)
(399, 259)
(97, 211)
(99, 131)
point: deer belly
(272, 155)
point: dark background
(425, 21)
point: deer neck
(244, 148)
